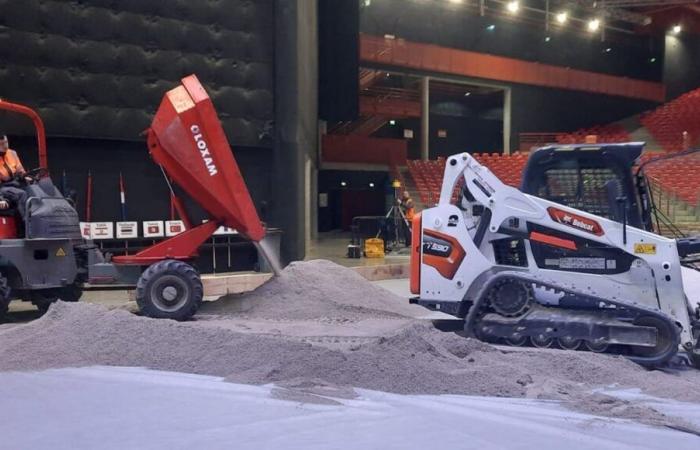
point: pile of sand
(416, 359)
(411, 359)
(315, 290)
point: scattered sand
(408, 358)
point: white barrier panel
(127, 230)
(174, 227)
(102, 230)
(222, 230)
(153, 228)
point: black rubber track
(651, 361)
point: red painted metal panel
(396, 108)
(184, 246)
(363, 150)
(187, 139)
(432, 58)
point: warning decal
(644, 249)
(60, 252)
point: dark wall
(461, 27)
(296, 127)
(99, 68)
(681, 64)
(146, 191)
(339, 54)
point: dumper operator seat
(48, 215)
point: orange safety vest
(410, 209)
(10, 165)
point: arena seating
(668, 122)
(677, 176)
(427, 175)
(606, 133)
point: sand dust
(410, 356)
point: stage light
(593, 25)
(491, 27)
(371, 185)
(562, 17)
(513, 7)
(677, 29)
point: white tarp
(108, 407)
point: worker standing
(409, 210)
(11, 173)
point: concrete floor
(334, 245)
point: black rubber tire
(70, 293)
(169, 278)
(694, 359)
(5, 297)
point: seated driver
(11, 172)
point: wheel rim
(568, 343)
(542, 341)
(169, 293)
(516, 341)
(596, 347)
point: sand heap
(315, 290)
(411, 359)
(416, 359)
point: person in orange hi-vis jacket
(12, 173)
(409, 210)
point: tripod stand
(399, 220)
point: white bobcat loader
(520, 269)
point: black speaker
(339, 57)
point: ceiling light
(392, 122)
(547, 39)
(608, 50)
(371, 185)
(467, 94)
(562, 17)
(652, 60)
(677, 29)
(513, 7)
(491, 27)
(343, 183)
(456, 1)
(593, 25)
